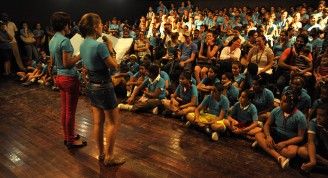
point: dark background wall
(41, 10)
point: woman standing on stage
(97, 58)
(67, 81)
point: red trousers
(69, 92)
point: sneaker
(155, 111)
(54, 88)
(208, 130)
(128, 93)
(188, 124)
(28, 83)
(124, 106)
(33, 80)
(40, 81)
(284, 164)
(254, 144)
(21, 79)
(215, 136)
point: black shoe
(167, 113)
(74, 145)
(77, 137)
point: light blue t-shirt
(165, 76)
(288, 126)
(186, 51)
(156, 84)
(187, 95)
(320, 137)
(133, 68)
(263, 100)
(57, 46)
(232, 94)
(244, 115)
(215, 107)
(93, 54)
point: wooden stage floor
(31, 144)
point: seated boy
(153, 90)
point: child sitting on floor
(243, 119)
(316, 150)
(218, 106)
(153, 89)
(184, 99)
(137, 78)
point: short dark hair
(249, 94)
(306, 49)
(153, 69)
(59, 20)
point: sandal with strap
(284, 164)
(114, 161)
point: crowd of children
(248, 72)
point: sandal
(114, 161)
(284, 164)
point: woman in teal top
(67, 80)
(97, 58)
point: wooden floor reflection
(31, 144)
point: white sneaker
(155, 111)
(40, 81)
(260, 124)
(33, 80)
(215, 136)
(124, 106)
(188, 124)
(254, 144)
(128, 93)
(208, 130)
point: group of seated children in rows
(218, 106)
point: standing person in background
(5, 48)
(12, 29)
(67, 80)
(98, 57)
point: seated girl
(207, 53)
(316, 150)
(282, 141)
(263, 99)
(185, 98)
(153, 89)
(297, 86)
(238, 76)
(218, 106)
(206, 85)
(243, 119)
(230, 90)
(132, 64)
(137, 78)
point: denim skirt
(102, 95)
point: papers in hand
(121, 45)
